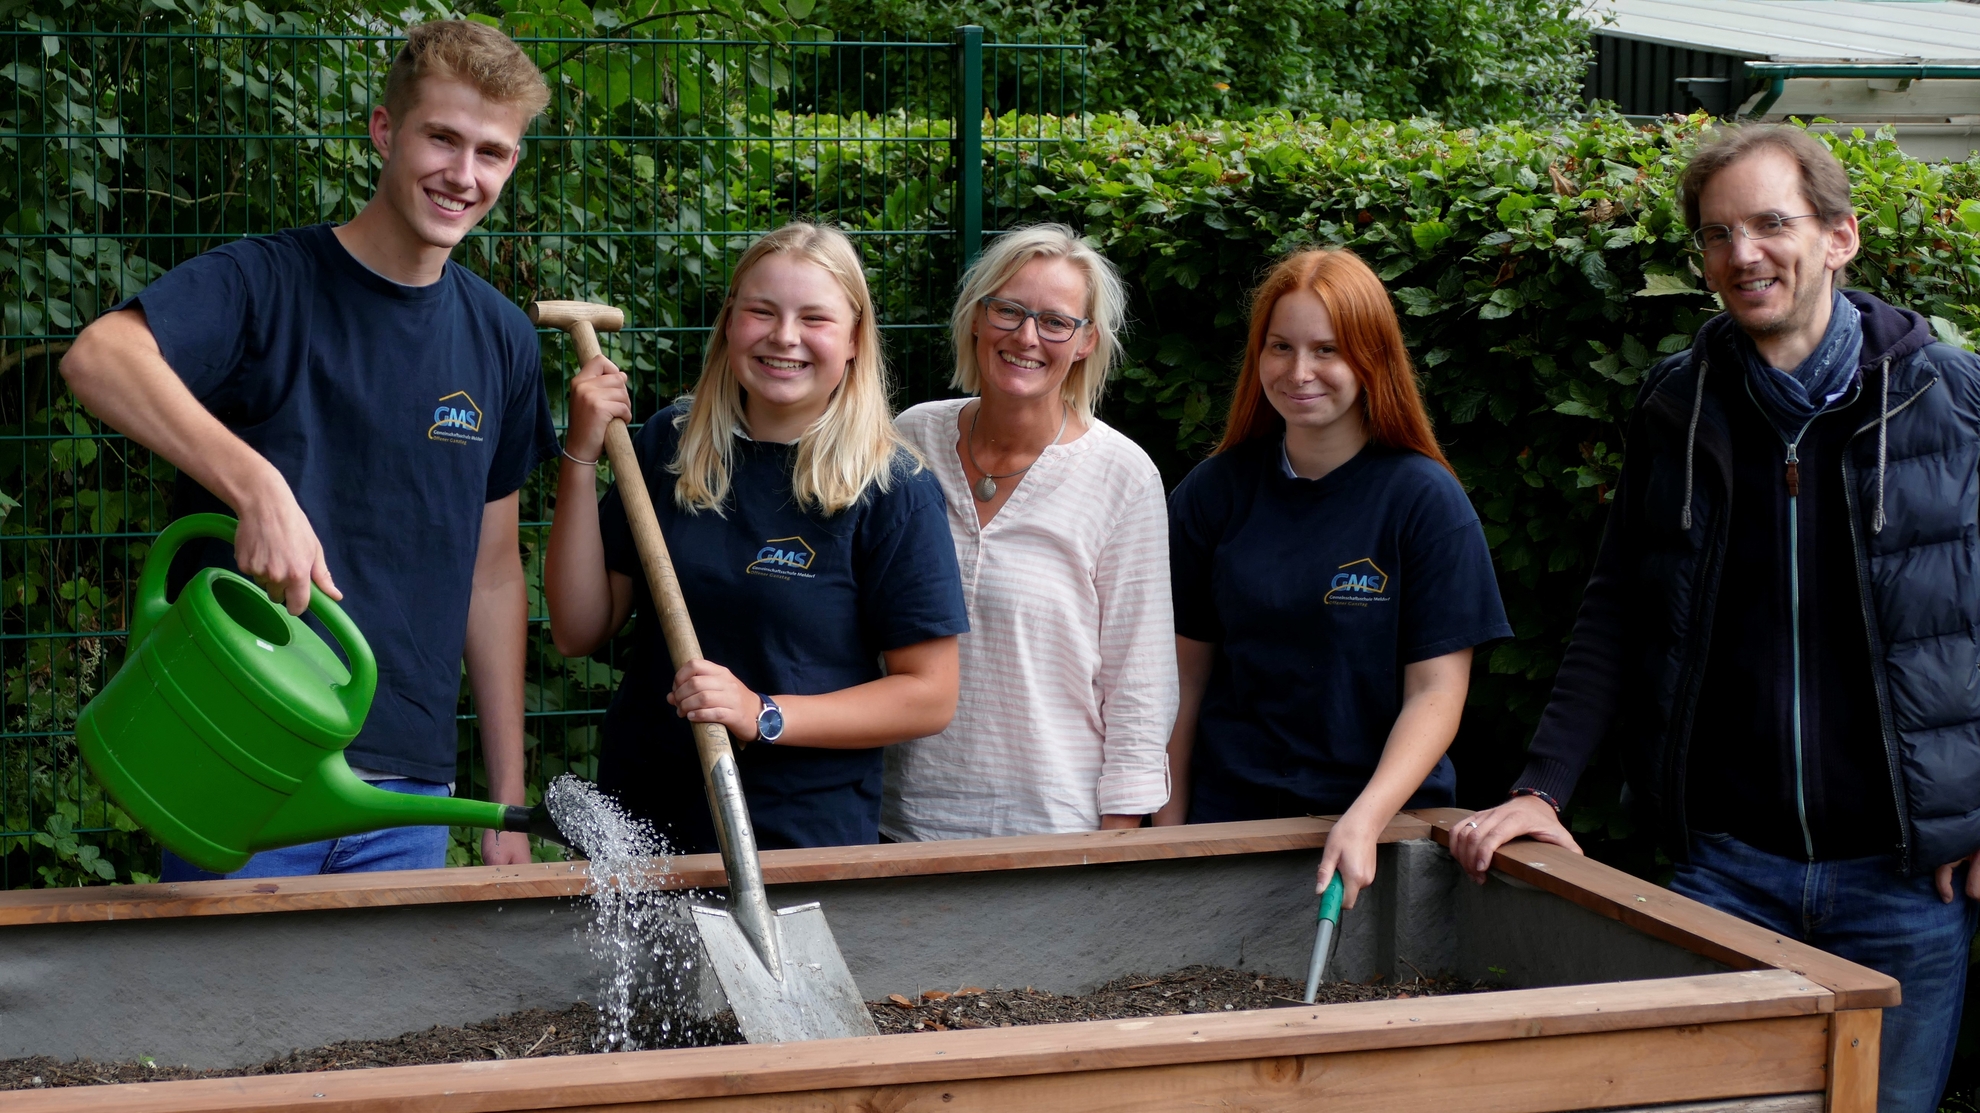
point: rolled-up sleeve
(1137, 677)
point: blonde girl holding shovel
(1330, 577)
(810, 546)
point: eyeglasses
(1759, 226)
(1010, 316)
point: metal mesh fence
(128, 153)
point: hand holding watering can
(224, 732)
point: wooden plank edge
(743, 1070)
(693, 871)
(1855, 1042)
(1662, 914)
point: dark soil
(1193, 989)
(535, 1033)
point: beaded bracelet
(1538, 795)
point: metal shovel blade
(816, 999)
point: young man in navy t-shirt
(369, 411)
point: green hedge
(1463, 60)
(1540, 273)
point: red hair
(1369, 338)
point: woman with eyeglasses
(1068, 671)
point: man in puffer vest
(1782, 631)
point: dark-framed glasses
(1010, 316)
(1759, 226)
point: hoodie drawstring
(1691, 443)
(1883, 444)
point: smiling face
(1019, 362)
(792, 336)
(1303, 373)
(446, 160)
(1778, 288)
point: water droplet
(637, 931)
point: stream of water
(646, 949)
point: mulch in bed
(535, 1033)
(1193, 989)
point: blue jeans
(394, 848)
(1862, 910)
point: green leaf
(1429, 233)
(1634, 353)
(1513, 204)
(1658, 285)
(1945, 330)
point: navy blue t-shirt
(793, 603)
(1317, 592)
(396, 413)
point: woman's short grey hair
(1106, 306)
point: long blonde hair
(1106, 307)
(851, 446)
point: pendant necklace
(985, 489)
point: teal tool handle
(1330, 900)
(149, 605)
(1323, 938)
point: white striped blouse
(1069, 666)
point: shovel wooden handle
(711, 740)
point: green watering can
(224, 732)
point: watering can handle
(149, 605)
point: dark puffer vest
(1911, 474)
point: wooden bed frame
(1786, 1029)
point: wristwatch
(770, 720)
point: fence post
(969, 140)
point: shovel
(782, 972)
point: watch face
(770, 723)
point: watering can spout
(535, 821)
(334, 803)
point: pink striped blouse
(1069, 667)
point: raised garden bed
(1631, 996)
(535, 1033)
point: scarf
(1791, 399)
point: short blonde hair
(1106, 306)
(851, 447)
(465, 51)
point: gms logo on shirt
(456, 419)
(787, 558)
(1357, 584)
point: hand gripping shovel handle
(748, 902)
(1323, 939)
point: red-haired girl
(1330, 578)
